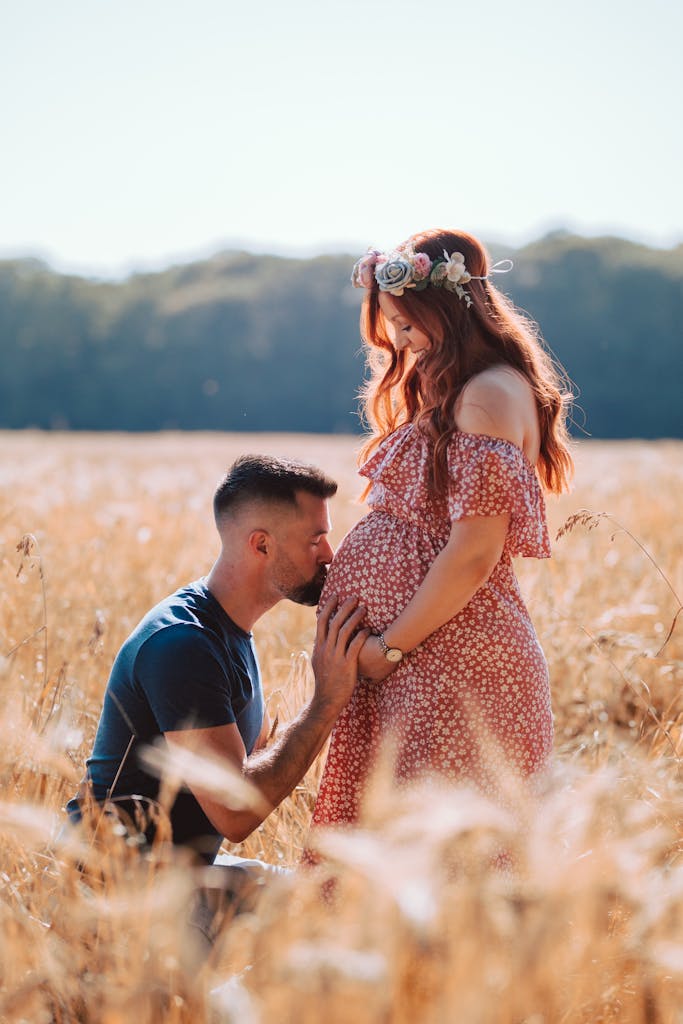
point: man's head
(279, 508)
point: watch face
(394, 654)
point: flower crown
(405, 268)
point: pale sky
(135, 132)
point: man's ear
(260, 542)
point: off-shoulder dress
(472, 702)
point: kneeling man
(189, 671)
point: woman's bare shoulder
(497, 402)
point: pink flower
(421, 265)
(364, 270)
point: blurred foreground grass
(95, 529)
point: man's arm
(277, 770)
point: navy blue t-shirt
(186, 665)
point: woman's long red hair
(465, 340)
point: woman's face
(401, 332)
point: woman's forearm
(457, 573)
(444, 592)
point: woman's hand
(371, 662)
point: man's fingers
(349, 627)
(325, 616)
(356, 645)
(339, 619)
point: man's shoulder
(191, 603)
(168, 648)
(176, 638)
(170, 658)
(183, 615)
(186, 633)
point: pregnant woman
(468, 421)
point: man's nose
(326, 553)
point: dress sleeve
(489, 477)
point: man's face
(303, 550)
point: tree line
(249, 342)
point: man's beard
(309, 593)
(291, 585)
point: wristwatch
(392, 654)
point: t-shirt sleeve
(186, 684)
(491, 477)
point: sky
(136, 133)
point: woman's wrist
(404, 637)
(391, 638)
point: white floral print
(472, 701)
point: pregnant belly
(382, 561)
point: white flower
(455, 268)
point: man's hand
(276, 770)
(338, 642)
(371, 662)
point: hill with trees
(247, 342)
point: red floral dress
(472, 702)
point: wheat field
(423, 925)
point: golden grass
(589, 926)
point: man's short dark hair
(265, 478)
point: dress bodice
(487, 476)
